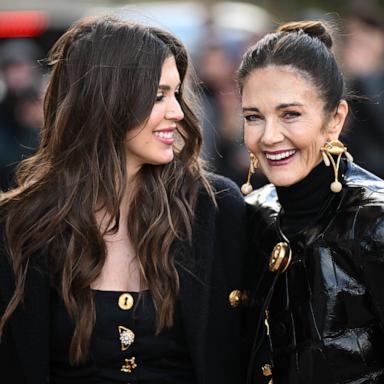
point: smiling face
(285, 123)
(152, 142)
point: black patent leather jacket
(326, 312)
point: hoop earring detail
(330, 149)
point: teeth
(164, 135)
(280, 156)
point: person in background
(362, 55)
(318, 228)
(222, 139)
(21, 107)
(120, 256)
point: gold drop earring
(330, 149)
(247, 188)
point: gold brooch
(129, 365)
(267, 370)
(127, 337)
(125, 301)
(237, 298)
(281, 257)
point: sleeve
(372, 261)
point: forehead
(169, 72)
(279, 84)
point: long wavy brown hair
(104, 81)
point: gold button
(129, 365)
(125, 301)
(280, 258)
(267, 370)
(235, 298)
(127, 337)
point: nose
(272, 133)
(174, 111)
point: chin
(163, 160)
(282, 181)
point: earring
(330, 149)
(247, 188)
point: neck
(304, 201)
(314, 188)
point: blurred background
(216, 34)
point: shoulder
(365, 200)
(365, 197)
(264, 197)
(263, 206)
(357, 177)
(369, 224)
(223, 184)
(226, 192)
(223, 207)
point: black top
(161, 358)
(210, 267)
(303, 202)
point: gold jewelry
(267, 370)
(247, 188)
(129, 365)
(281, 257)
(127, 337)
(125, 301)
(330, 149)
(238, 298)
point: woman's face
(285, 124)
(152, 142)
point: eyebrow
(280, 106)
(163, 87)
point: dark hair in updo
(305, 46)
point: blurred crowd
(361, 49)
(21, 115)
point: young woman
(120, 257)
(319, 226)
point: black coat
(326, 315)
(213, 269)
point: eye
(159, 97)
(252, 118)
(178, 93)
(289, 115)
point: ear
(337, 120)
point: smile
(166, 136)
(280, 156)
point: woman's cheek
(250, 138)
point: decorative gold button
(127, 337)
(235, 298)
(126, 301)
(267, 370)
(280, 257)
(129, 365)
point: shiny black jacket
(326, 312)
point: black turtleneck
(303, 202)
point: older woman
(319, 225)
